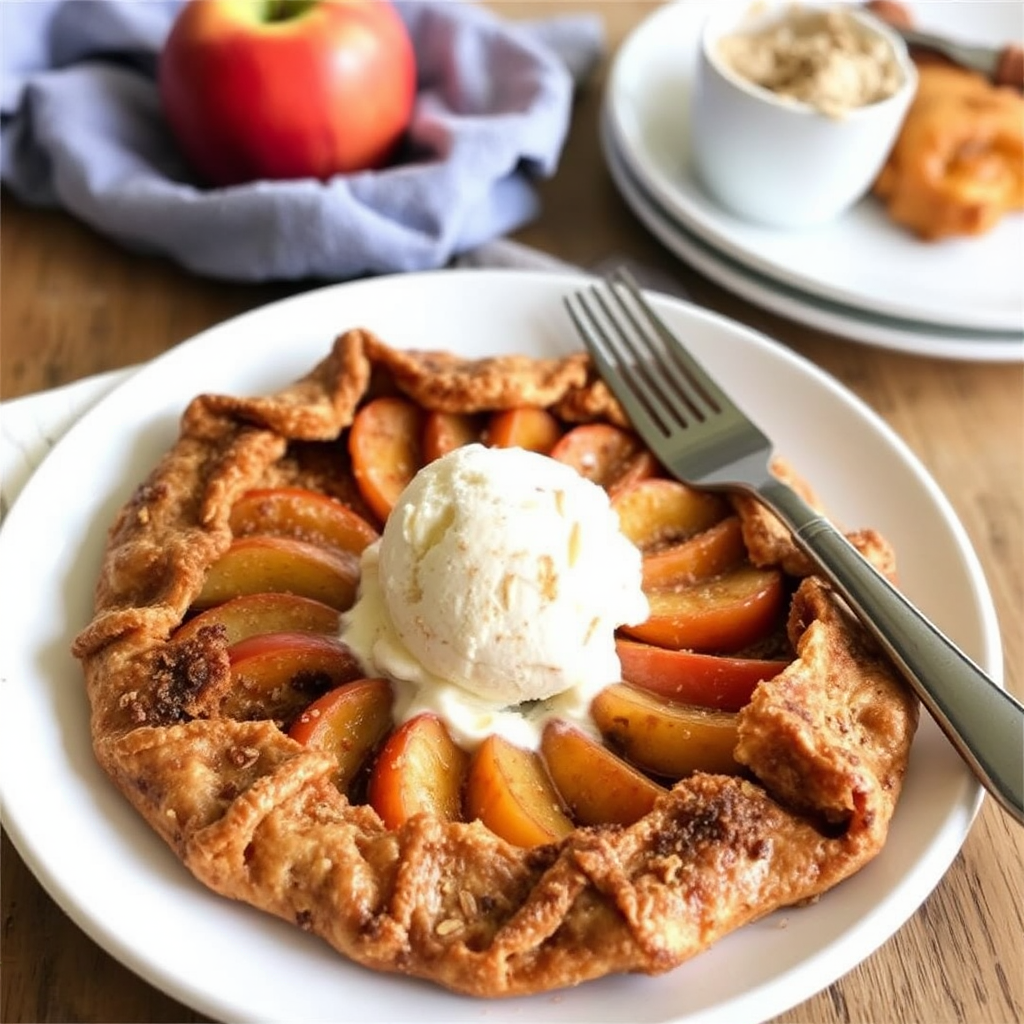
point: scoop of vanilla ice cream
(506, 573)
(501, 573)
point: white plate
(862, 259)
(118, 881)
(921, 339)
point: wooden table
(75, 304)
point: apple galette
(429, 656)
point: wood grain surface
(74, 303)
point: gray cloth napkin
(82, 128)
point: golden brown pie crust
(957, 167)
(256, 817)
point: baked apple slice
(385, 443)
(611, 457)
(663, 736)
(708, 553)
(531, 428)
(276, 674)
(259, 564)
(443, 432)
(656, 513)
(709, 680)
(722, 614)
(348, 722)
(598, 787)
(253, 614)
(303, 515)
(419, 769)
(510, 791)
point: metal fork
(700, 434)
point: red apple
(287, 88)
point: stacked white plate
(861, 277)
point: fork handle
(984, 722)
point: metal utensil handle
(984, 59)
(983, 721)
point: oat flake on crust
(256, 817)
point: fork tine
(637, 380)
(634, 351)
(644, 350)
(682, 413)
(635, 367)
(687, 373)
(599, 344)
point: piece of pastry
(957, 167)
(414, 851)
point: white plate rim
(156, 387)
(851, 324)
(676, 25)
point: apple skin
(326, 88)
